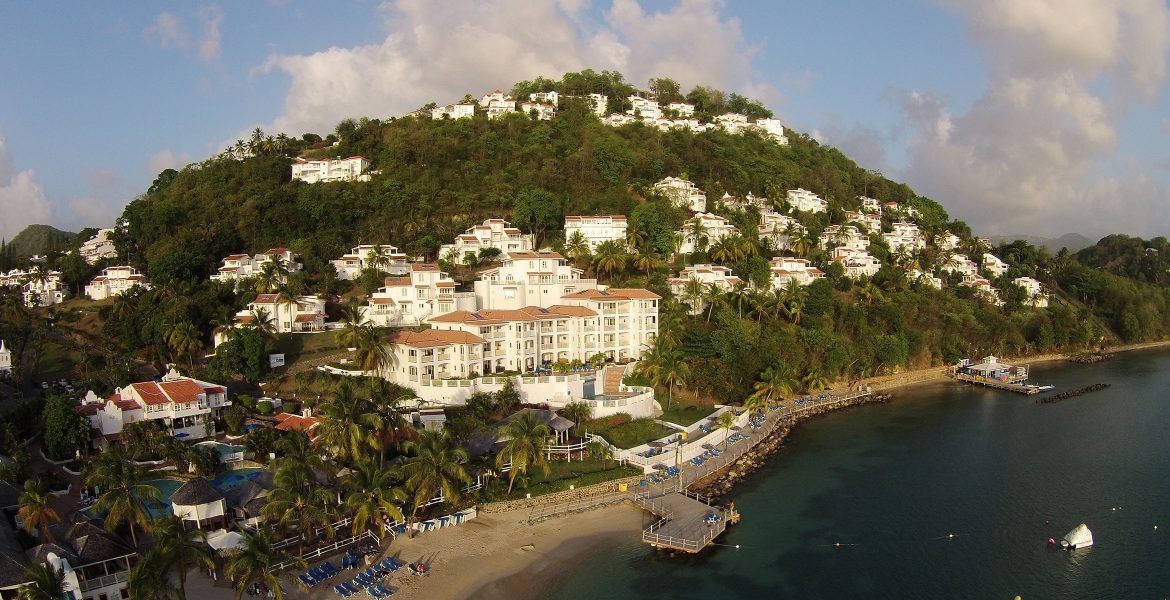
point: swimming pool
(166, 487)
(233, 479)
(227, 452)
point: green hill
(40, 239)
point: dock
(1019, 388)
(683, 520)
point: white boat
(1080, 537)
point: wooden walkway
(1019, 388)
(682, 523)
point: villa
(905, 236)
(599, 102)
(5, 359)
(94, 563)
(542, 111)
(845, 237)
(947, 241)
(383, 257)
(1036, 297)
(115, 281)
(708, 275)
(682, 108)
(857, 263)
(959, 263)
(545, 98)
(732, 122)
(751, 200)
(870, 222)
(322, 171)
(597, 229)
(683, 194)
(240, 266)
(994, 265)
(98, 247)
(453, 111)
(411, 300)
(184, 407)
(787, 270)
(498, 104)
(528, 279)
(771, 128)
(776, 227)
(38, 289)
(927, 278)
(302, 315)
(646, 109)
(492, 233)
(715, 227)
(869, 205)
(984, 289)
(806, 201)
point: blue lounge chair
(391, 564)
(386, 592)
(307, 579)
(350, 587)
(373, 592)
(341, 591)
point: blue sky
(1020, 116)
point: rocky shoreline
(720, 484)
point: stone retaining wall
(565, 497)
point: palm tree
(271, 276)
(149, 579)
(261, 321)
(184, 340)
(693, 294)
(647, 260)
(696, 231)
(578, 413)
(813, 381)
(794, 304)
(609, 257)
(178, 547)
(725, 422)
(371, 496)
(577, 247)
(665, 368)
(124, 495)
(526, 446)
(774, 383)
(296, 499)
(599, 451)
(378, 257)
(373, 353)
(723, 250)
(36, 511)
(45, 582)
(713, 296)
(635, 238)
(296, 451)
(799, 241)
(434, 468)
(349, 425)
(353, 318)
(253, 560)
(870, 292)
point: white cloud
(107, 195)
(166, 31)
(1026, 155)
(22, 199)
(165, 159)
(440, 51)
(212, 16)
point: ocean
(948, 492)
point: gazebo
(201, 503)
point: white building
(544, 112)
(93, 563)
(599, 102)
(869, 205)
(806, 201)
(786, 270)
(773, 129)
(529, 279)
(388, 258)
(546, 98)
(1034, 292)
(732, 122)
(707, 275)
(453, 111)
(857, 263)
(342, 169)
(927, 278)
(619, 119)
(498, 104)
(959, 263)
(994, 265)
(303, 315)
(200, 505)
(905, 236)
(846, 237)
(98, 247)
(241, 266)
(682, 108)
(870, 222)
(947, 241)
(984, 289)
(492, 233)
(426, 292)
(597, 229)
(5, 358)
(714, 226)
(644, 108)
(38, 288)
(682, 194)
(115, 281)
(183, 406)
(776, 227)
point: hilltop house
(806, 201)
(994, 265)
(599, 102)
(786, 270)
(983, 288)
(302, 315)
(413, 299)
(871, 223)
(545, 98)
(846, 237)
(1034, 292)
(492, 233)
(857, 263)
(646, 109)
(947, 241)
(98, 247)
(870, 206)
(544, 112)
(341, 169)
(682, 109)
(240, 266)
(38, 288)
(183, 406)
(114, 281)
(383, 257)
(716, 228)
(597, 229)
(959, 263)
(94, 563)
(771, 128)
(528, 279)
(682, 194)
(708, 275)
(497, 104)
(927, 278)
(905, 236)
(776, 227)
(453, 111)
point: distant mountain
(39, 239)
(1072, 241)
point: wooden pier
(682, 521)
(1019, 388)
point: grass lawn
(562, 474)
(623, 432)
(682, 413)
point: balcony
(94, 583)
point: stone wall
(565, 497)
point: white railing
(94, 583)
(327, 549)
(316, 532)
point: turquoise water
(892, 482)
(223, 449)
(166, 487)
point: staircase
(611, 380)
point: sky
(1037, 117)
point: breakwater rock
(1096, 387)
(721, 483)
(1088, 358)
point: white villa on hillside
(707, 275)
(732, 122)
(905, 236)
(776, 227)
(544, 112)
(114, 281)
(98, 247)
(983, 288)
(529, 279)
(1033, 290)
(241, 266)
(492, 233)
(383, 257)
(869, 222)
(947, 241)
(646, 109)
(411, 300)
(545, 98)
(994, 265)
(959, 263)
(497, 104)
(184, 407)
(303, 315)
(342, 169)
(5, 358)
(772, 128)
(599, 102)
(857, 263)
(453, 111)
(682, 194)
(915, 275)
(714, 226)
(37, 289)
(597, 229)
(846, 237)
(869, 205)
(786, 270)
(806, 201)
(682, 108)
(751, 200)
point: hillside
(39, 239)
(1074, 242)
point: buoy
(837, 544)
(737, 546)
(950, 535)
(1051, 542)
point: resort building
(453, 111)
(771, 128)
(984, 289)
(869, 222)
(542, 111)
(619, 119)
(749, 201)
(305, 422)
(5, 359)
(342, 169)
(114, 281)
(240, 266)
(845, 237)
(411, 300)
(915, 275)
(713, 227)
(644, 108)
(682, 109)
(492, 233)
(183, 406)
(1033, 291)
(806, 201)
(731, 122)
(994, 265)
(959, 263)
(38, 288)
(98, 247)
(682, 194)
(947, 241)
(777, 228)
(94, 564)
(302, 315)
(786, 270)
(552, 98)
(857, 263)
(497, 104)
(200, 505)
(905, 236)
(597, 229)
(383, 257)
(869, 205)
(599, 102)
(528, 279)
(707, 275)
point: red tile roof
(432, 338)
(150, 393)
(182, 391)
(291, 422)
